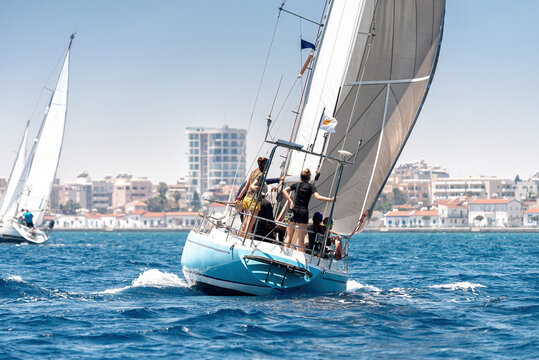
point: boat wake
(353, 285)
(463, 285)
(152, 278)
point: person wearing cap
(300, 208)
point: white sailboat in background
(31, 179)
(371, 70)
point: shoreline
(370, 230)
(454, 230)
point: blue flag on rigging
(306, 45)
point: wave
(16, 278)
(151, 278)
(463, 285)
(352, 285)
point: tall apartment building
(214, 156)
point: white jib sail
(41, 166)
(329, 69)
(15, 177)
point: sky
(142, 71)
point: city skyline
(141, 73)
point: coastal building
(418, 170)
(140, 219)
(102, 190)
(417, 191)
(424, 218)
(135, 206)
(214, 156)
(396, 218)
(530, 217)
(453, 212)
(178, 193)
(77, 193)
(56, 189)
(527, 189)
(3, 185)
(126, 189)
(481, 187)
(494, 212)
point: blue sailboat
(367, 79)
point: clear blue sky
(144, 70)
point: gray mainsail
(388, 74)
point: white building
(213, 157)
(494, 212)
(139, 219)
(526, 189)
(481, 187)
(453, 212)
(397, 218)
(531, 217)
(424, 218)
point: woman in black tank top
(300, 207)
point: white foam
(464, 285)
(151, 278)
(16, 278)
(352, 285)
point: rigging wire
(258, 92)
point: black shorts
(301, 215)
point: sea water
(122, 295)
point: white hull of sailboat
(218, 264)
(14, 232)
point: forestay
(388, 73)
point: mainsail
(15, 176)
(389, 60)
(34, 188)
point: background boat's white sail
(389, 68)
(35, 185)
(15, 176)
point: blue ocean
(410, 296)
